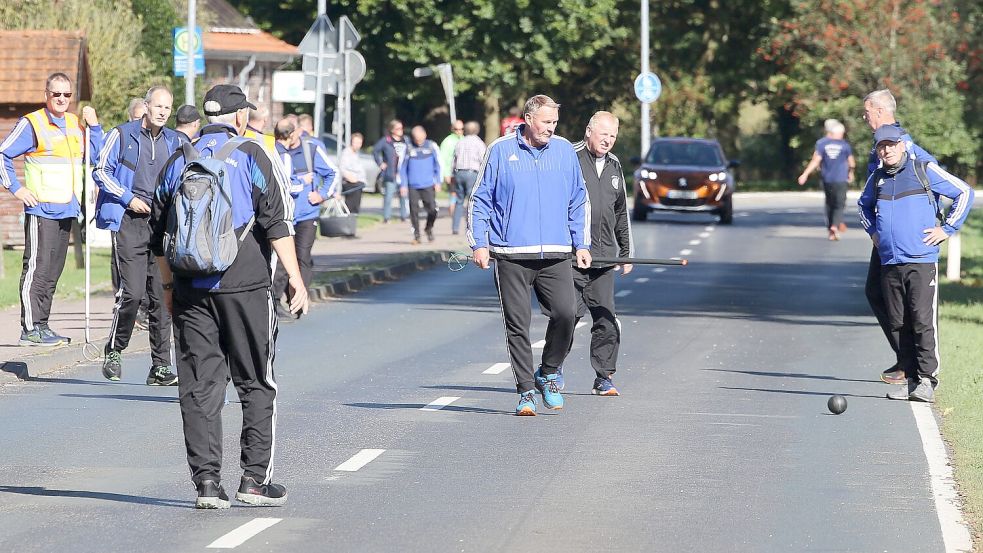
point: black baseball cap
(187, 114)
(888, 133)
(225, 98)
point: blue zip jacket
(22, 141)
(421, 168)
(898, 209)
(529, 203)
(326, 176)
(114, 172)
(914, 150)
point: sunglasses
(59, 94)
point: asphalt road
(720, 442)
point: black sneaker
(112, 367)
(37, 338)
(161, 375)
(211, 495)
(429, 236)
(265, 495)
(46, 331)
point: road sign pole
(340, 115)
(189, 73)
(322, 8)
(646, 129)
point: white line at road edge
(497, 368)
(622, 293)
(581, 324)
(642, 280)
(360, 459)
(239, 536)
(439, 403)
(539, 344)
(955, 533)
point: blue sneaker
(541, 380)
(604, 387)
(527, 405)
(37, 338)
(551, 393)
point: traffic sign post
(185, 42)
(648, 87)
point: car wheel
(639, 212)
(726, 211)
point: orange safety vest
(53, 171)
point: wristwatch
(168, 285)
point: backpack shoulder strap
(921, 171)
(189, 151)
(305, 143)
(232, 145)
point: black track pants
(218, 337)
(305, 233)
(139, 278)
(45, 249)
(429, 198)
(835, 202)
(595, 294)
(911, 294)
(900, 342)
(552, 280)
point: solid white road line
(539, 344)
(694, 242)
(359, 460)
(642, 280)
(581, 324)
(955, 533)
(439, 403)
(497, 368)
(239, 536)
(622, 293)
(705, 234)
(685, 252)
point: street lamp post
(646, 129)
(189, 73)
(446, 75)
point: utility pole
(189, 73)
(646, 129)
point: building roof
(231, 35)
(28, 57)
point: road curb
(24, 368)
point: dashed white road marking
(359, 460)
(694, 242)
(709, 228)
(642, 280)
(685, 252)
(705, 234)
(439, 403)
(239, 536)
(581, 324)
(497, 368)
(659, 270)
(540, 344)
(622, 293)
(955, 533)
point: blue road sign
(648, 87)
(182, 45)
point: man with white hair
(834, 158)
(530, 211)
(879, 110)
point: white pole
(322, 8)
(450, 96)
(953, 260)
(189, 72)
(86, 185)
(646, 129)
(340, 115)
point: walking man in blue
(899, 208)
(530, 212)
(420, 175)
(834, 158)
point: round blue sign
(648, 87)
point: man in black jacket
(611, 237)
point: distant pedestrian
(389, 153)
(511, 122)
(900, 210)
(256, 129)
(136, 109)
(468, 154)
(126, 173)
(834, 158)
(529, 211)
(224, 322)
(188, 122)
(610, 231)
(447, 161)
(420, 181)
(52, 143)
(353, 173)
(879, 109)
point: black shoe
(161, 375)
(265, 495)
(211, 495)
(429, 236)
(894, 375)
(283, 314)
(112, 367)
(46, 331)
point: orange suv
(685, 175)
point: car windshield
(694, 154)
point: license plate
(682, 194)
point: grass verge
(960, 398)
(71, 285)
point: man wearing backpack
(224, 320)
(899, 209)
(126, 174)
(314, 179)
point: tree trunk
(490, 100)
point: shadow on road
(792, 375)
(103, 496)
(418, 406)
(472, 389)
(796, 392)
(125, 397)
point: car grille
(674, 202)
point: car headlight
(713, 177)
(718, 177)
(646, 174)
